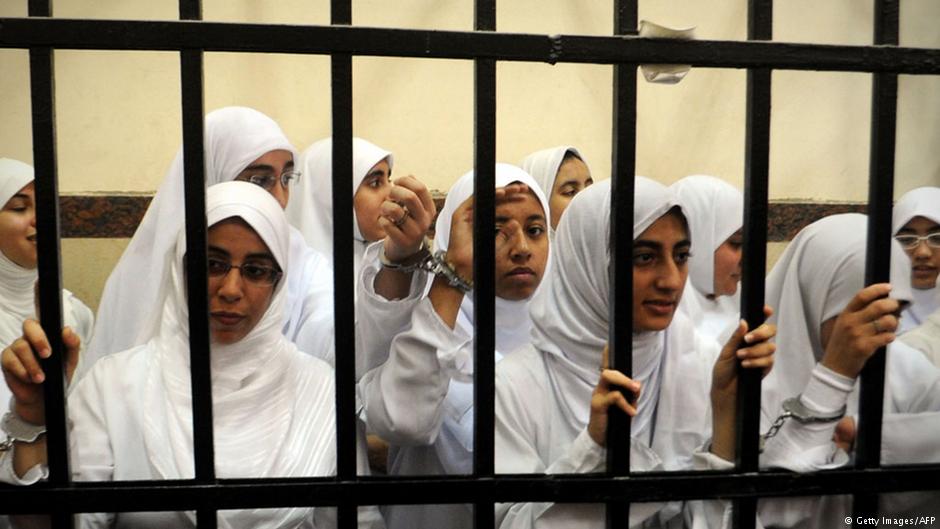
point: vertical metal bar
(42, 89)
(878, 254)
(193, 109)
(623, 163)
(484, 257)
(343, 278)
(756, 164)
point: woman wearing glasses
(917, 227)
(131, 416)
(240, 144)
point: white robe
(273, 412)
(926, 338)
(420, 398)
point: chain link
(774, 429)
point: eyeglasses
(267, 181)
(251, 272)
(909, 242)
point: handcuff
(433, 263)
(18, 431)
(793, 408)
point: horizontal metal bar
(270, 493)
(387, 42)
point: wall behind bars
(119, 125)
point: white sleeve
(380, 319)
(912, 411)
(404, 396)
(516, 453)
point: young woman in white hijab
(715, 212)
(240, 144)
(916, 223)
(829, 325)
(131, 417)
(421, 398)
(18, 261)
(551, 409)
(562, 173)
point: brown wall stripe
(103, 216)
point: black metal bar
(484, 257)
(756, 164)
(343, 276)
(878, 254)
(575, 488)
(620, 330)
(46, 188)
(385, 42)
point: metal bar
(878, 253)
(484, 258)
(385, 42)
(756, 164)
(620, 329)
(574, 488)
(343, 276)
(196, 274)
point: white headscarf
(455, 444)
(714, 210)
(310, 209)
(544, 165)
(263, 427)
(16, 282)
(814, 279)
(919, 202)
(571, 312)
(234, 137)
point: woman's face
(237, 299)
(368, 199)
(266, 171)
(925, 260)
(573, 176)
(660, 268)
(520, 263)
(18, 228)
(728, 265)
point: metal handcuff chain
(795, 409)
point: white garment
(919, 202)
(543, 396)
(17, 298)
(273, 411)
(714, 210)
(926, 337)
(420, 399)
(543, 166)
(234, 137)
(819, 273)
(310, 208)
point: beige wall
(119, 125)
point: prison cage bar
(190, 36)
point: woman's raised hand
(460, 247)
(407, 214)
(23, 374)
(608, 393)
(867, 323)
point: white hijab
(263, 417)
(920, 202)
(714, 210)
(234, 137)
(814, 279)
(544, 165)
(455, 444)
(571, 312)
(16, 283)
(310, 209)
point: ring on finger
(874, 323)
(404, 216)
